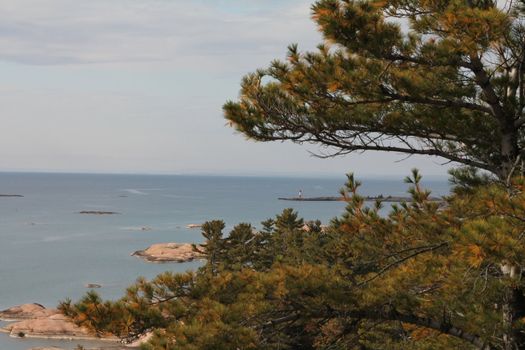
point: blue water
(48, 251)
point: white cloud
(176, 32)
(137, 86)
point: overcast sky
(136, 86)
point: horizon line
(222, 174)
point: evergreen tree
(429, 275)
(214, 246)
(439, 78)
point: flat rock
(26, 311)
(35, 321)
(85, 348)
(109, 347)
(55, 326)
(169, 252)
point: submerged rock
(98, 212)
(194, 226)
(169, 252)
(136, 228)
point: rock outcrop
(25, 312)
(386, 199)
(109, 347)
(35, 321)
(56, 326)
(169, 252)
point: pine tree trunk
(513, 309)
(509, 153)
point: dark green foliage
(427, 276)
(438, 78)
(213, 248)
(104, 317)
(467, 179)
(239, 247)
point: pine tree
(429, 275)
(438, 78)
(441, 78)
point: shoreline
(387, 199)
(58, 337)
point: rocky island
(169, 252)
(36, 321)
(389, 199)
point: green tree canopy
(442, 78)
(431, 77)
(425, 276)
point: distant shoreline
(328, 176)
(366, 199)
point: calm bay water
(48, 251)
